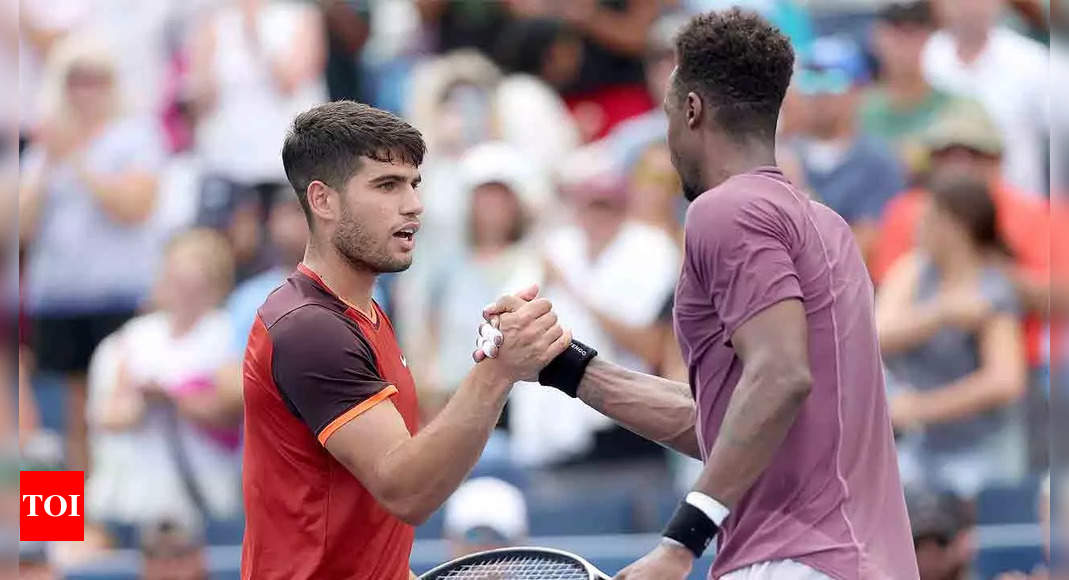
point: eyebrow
(394, 177)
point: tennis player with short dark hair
(335, 473)
(774, 314)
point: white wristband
(714, 510)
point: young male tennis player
(774, 314)
(335, 472)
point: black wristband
(692, 528)
(566, 370)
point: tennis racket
(517, 564)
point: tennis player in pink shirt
(774, 314)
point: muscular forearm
(660, 410)
(422, 472)
(905, 330)
(761, 412)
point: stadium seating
(1011, 509)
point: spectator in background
(254, 64)
(975, 58)
(631, 137)
(459, 101)
(902, 105)
(348, 28)
(485, 514)
(942, 526)
(288, 234)
(87, 194)
(502, 204)
(788, 15)
(39, 27)
(966, 142)
(450, 103)
(849, 171)
(608, 87)
(949, 329)
(609, 276)
(170, 551)
(164, 447)
(658, 201)
(539, 56)
(458, 24)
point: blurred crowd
(155, 218)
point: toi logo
(52, 506)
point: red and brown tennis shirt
(312, 364)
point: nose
(412, 204)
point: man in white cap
(485, 513)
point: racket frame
(595, 574)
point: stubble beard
(363, 251)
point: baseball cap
(918, 12)
(936, 514)
(965, 124)
(499, 162)
(833, 65)
(592, 174)
(487, 505)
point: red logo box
(52, 506)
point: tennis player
(774, 314)
(335, 473)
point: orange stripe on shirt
(355, 412)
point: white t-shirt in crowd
(135, 477)
(81, 260)
(242, 136)
(1010, 79)
(632, 280)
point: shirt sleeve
(325, 369)
(744, 259)
(1000, 291)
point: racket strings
(518, 568)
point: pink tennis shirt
(832, 498)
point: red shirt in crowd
(312, 364)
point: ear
(694, 109)
(323, 200)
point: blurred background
(154, 218)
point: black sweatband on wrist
(566, 370)
(692, 528)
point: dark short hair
(524, 44)
(740, 65)
(326, 142)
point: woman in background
(164, 445)
(501, 208)
(87, 194)
(949, 326)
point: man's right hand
(532, 336)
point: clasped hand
(521, 332)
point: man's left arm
(774, 385)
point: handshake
(522, 333)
